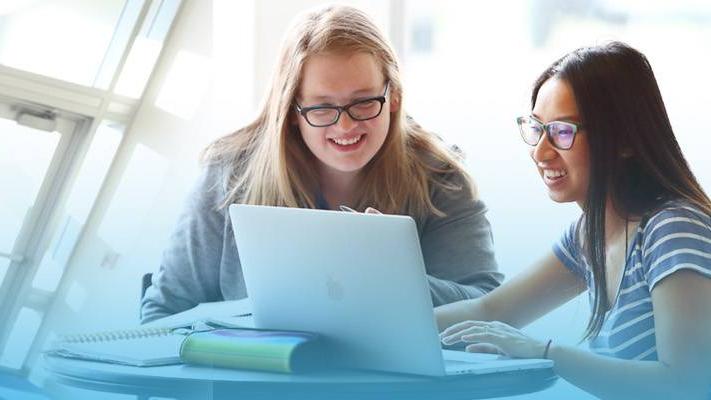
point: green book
(257, 349)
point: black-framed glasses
(561, 134)
(359, 110)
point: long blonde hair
(271, 165)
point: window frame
(84, 108)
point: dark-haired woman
(600, 137)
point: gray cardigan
(201, 263)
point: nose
(345, 122)
(543, 150)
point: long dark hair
(635, 160)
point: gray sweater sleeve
(458, 249)
(190, 266)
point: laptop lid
(358, 279)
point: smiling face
(564, 172)
(339, 79)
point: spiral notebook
(138, 347)
(156, 343)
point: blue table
(16, 387)
(196, 382)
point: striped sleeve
(567, 250)
(675, 239)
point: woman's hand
(493, 337)
(369, 210)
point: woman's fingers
(452, 334)
(483, 348)
(479, 336)
(484, 336)
(467, 336)
(476, 331)
(457, 328)
(371, 210)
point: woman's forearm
(519, 301)
(611, 378)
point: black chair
(146, 283)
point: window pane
(86, 187)
(145, 51)
(4, 263)
(64, 39)
(25, 154)
(21, 338)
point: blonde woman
(331, 132)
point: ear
(394, 103)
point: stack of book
(218, 335)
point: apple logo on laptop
(334, 289)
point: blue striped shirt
(674, 238)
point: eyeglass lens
(359, 111)
(561, 134)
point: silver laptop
(359, 280)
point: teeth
(346, 142)
(551, 174)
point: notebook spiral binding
(114, 335)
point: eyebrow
(573, 118)
(367, 92)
